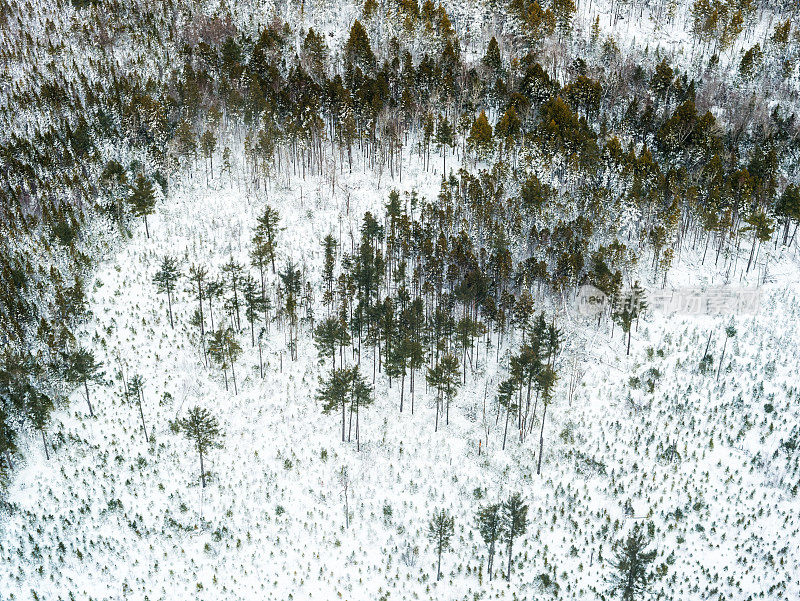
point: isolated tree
(82, 368)
(253, 304)
(165, 279)
(546, 380)
(440, 531)
(632, 563)
(142, 199)
(292, 284)
(631, 306)
(329, 245)
(235, 272)
(730, 332)
(135, 389)
(506, 397)
(490, 525)
(265, 233)
(515, 524)
(203, 430)
(197, 278)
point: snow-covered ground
(112, 517)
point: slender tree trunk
(541, 440)
(202, 471)
(44, 442)
(88, 402)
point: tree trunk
(202, 471)
(88, 402)
(505, 430)
(541, 440)
(44, 442)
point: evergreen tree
(444, 377)
(266, 231)
(480, 136)
(490, 525)
(82, 368)
(331, 335)
(135, 389)
(197, 277)
(165, 280)
(345, 385)
(632, 563)
(8, 441)
(632, 305)
(224, 349)
(235, 273)
(515, 524)
(253, 304)
(203, 430)
(506, 395)
(788, 208)
(357, 50)
(329, 245)
(38, 407)
(292, 285)
(142, 199)
(440, 531)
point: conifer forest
(399, 300)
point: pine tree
(444, 377)
(345, 385)
(490, 525)
(165, 280)
(333, 392)
(506, 395)
(440, 531)
(235, 272)
(203, 430)
(292, 284)
(515, 524)
(38, 407)
(632, 564)
(329, 245)
(357, 50)
(82, 368)
(253, 304)
(330, 335)
(135, 389)
(142, 199)
(8, 441)
(197, 277)
(788, 208)
(632, 305)
(480, 136)
(224, 349)
(208, 143)
(266, 231)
